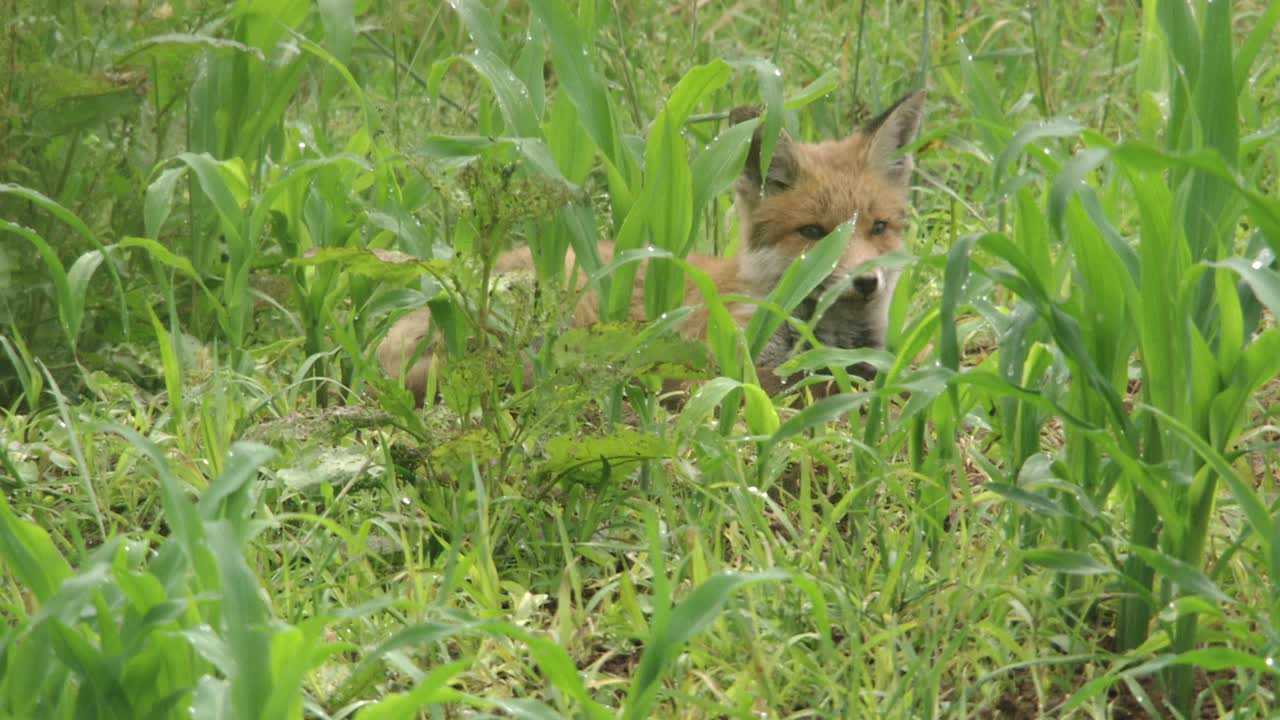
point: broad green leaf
(1264, 281)
(585, 86)
(513, 97)
(164, 256)
(954, 279)
(172, 371)
(1219, 659)
(247, 622)
(823, 85)
(761, 416)
(78, 278)
(716, 168)
(558, 668)
(828, 357)
(30, 555)
(228, 496)
(1070, 180)
(818, 414)
(1030, 133)
(668, 187)
(158, 201)
(704, 401)
(1189, 579)
(92, 668)
(219, 192)
(530, 66)
(1255, 511)
(481, 26)
(1032, 501)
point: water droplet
(302, 147)
(1271, 662)
(803, 255)
(652, 248)
(777, 72)
(1256, 265)
(970, 58)
(406, 501)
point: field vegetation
(1056, 499)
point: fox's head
(811, 189)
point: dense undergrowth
(1057, 498)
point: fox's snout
(867, 284)
(864, 286)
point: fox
(809, 189)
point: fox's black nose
(866, 284)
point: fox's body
(810, 189)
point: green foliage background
(1057, 499)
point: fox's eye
(878, 227)
(812, 232)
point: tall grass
(216, 506)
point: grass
(1057, 499)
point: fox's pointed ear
(893, 130)
(782, 165)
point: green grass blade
(338, 18)
(693, 615)
(431, 689)
(1258, 38)
(797, 283)
(769, 83)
